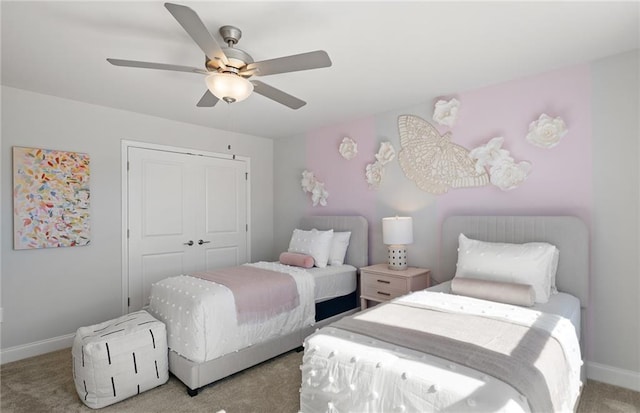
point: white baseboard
(35, 349)
(613, 375)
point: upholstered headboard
(358, 251)
(567, 233)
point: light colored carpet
(45, 384)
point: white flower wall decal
(310, 184)
(308, 181)
(508, 175)
(374, 173)
(319, 195)
(546, 132)
(348, 148)
(504, 172)
(445, 112)
(490, 154)
(386, 153)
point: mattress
(562, 304)
(201, 315)
(345, 371)
(333, 281)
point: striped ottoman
(120, 358)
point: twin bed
(429, 350)
(436, 351)
(208, 340)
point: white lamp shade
(397, 230)
(229, 87)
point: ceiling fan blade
(194, 26)
(207, 100)
(159, 66)
(294, 63)
(277, 95)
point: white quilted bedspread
(348, 372)
(201, 315)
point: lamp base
(397, 257)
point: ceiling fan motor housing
(237, 58)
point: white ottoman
(119, 358)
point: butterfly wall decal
(432, 161)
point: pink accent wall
(560, 179)
(344, 179)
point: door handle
(200, 242)
(190, 243)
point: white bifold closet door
(185, 213)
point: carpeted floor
(45, 384)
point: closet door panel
(225, 213)
(160, 221)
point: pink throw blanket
(259, 294)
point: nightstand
(379, 283)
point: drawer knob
(383, 293)
(384, 281)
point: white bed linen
(201, 316)
(562, 304)
(334, 281)
(343, 371)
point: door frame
(124, 160)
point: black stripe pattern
(135, 365)
(153, 339)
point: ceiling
(386, 55)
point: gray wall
(49, 293)
(614, 339)
(613, 336)
(289, 162)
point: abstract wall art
(50, 198)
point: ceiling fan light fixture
(229, 87)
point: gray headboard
(358, 251)
(567, 233)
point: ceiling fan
(228, 68)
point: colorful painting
(50, 198)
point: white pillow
(533, 263)
(339, 246)
(315, 243)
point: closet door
(185, 213)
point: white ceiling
(386, 55)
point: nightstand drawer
(379, 284)
(381, 293)
(384, 281)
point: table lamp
(396, 233)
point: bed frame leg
(192, 392)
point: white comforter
(201, 315)
(347, 372)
